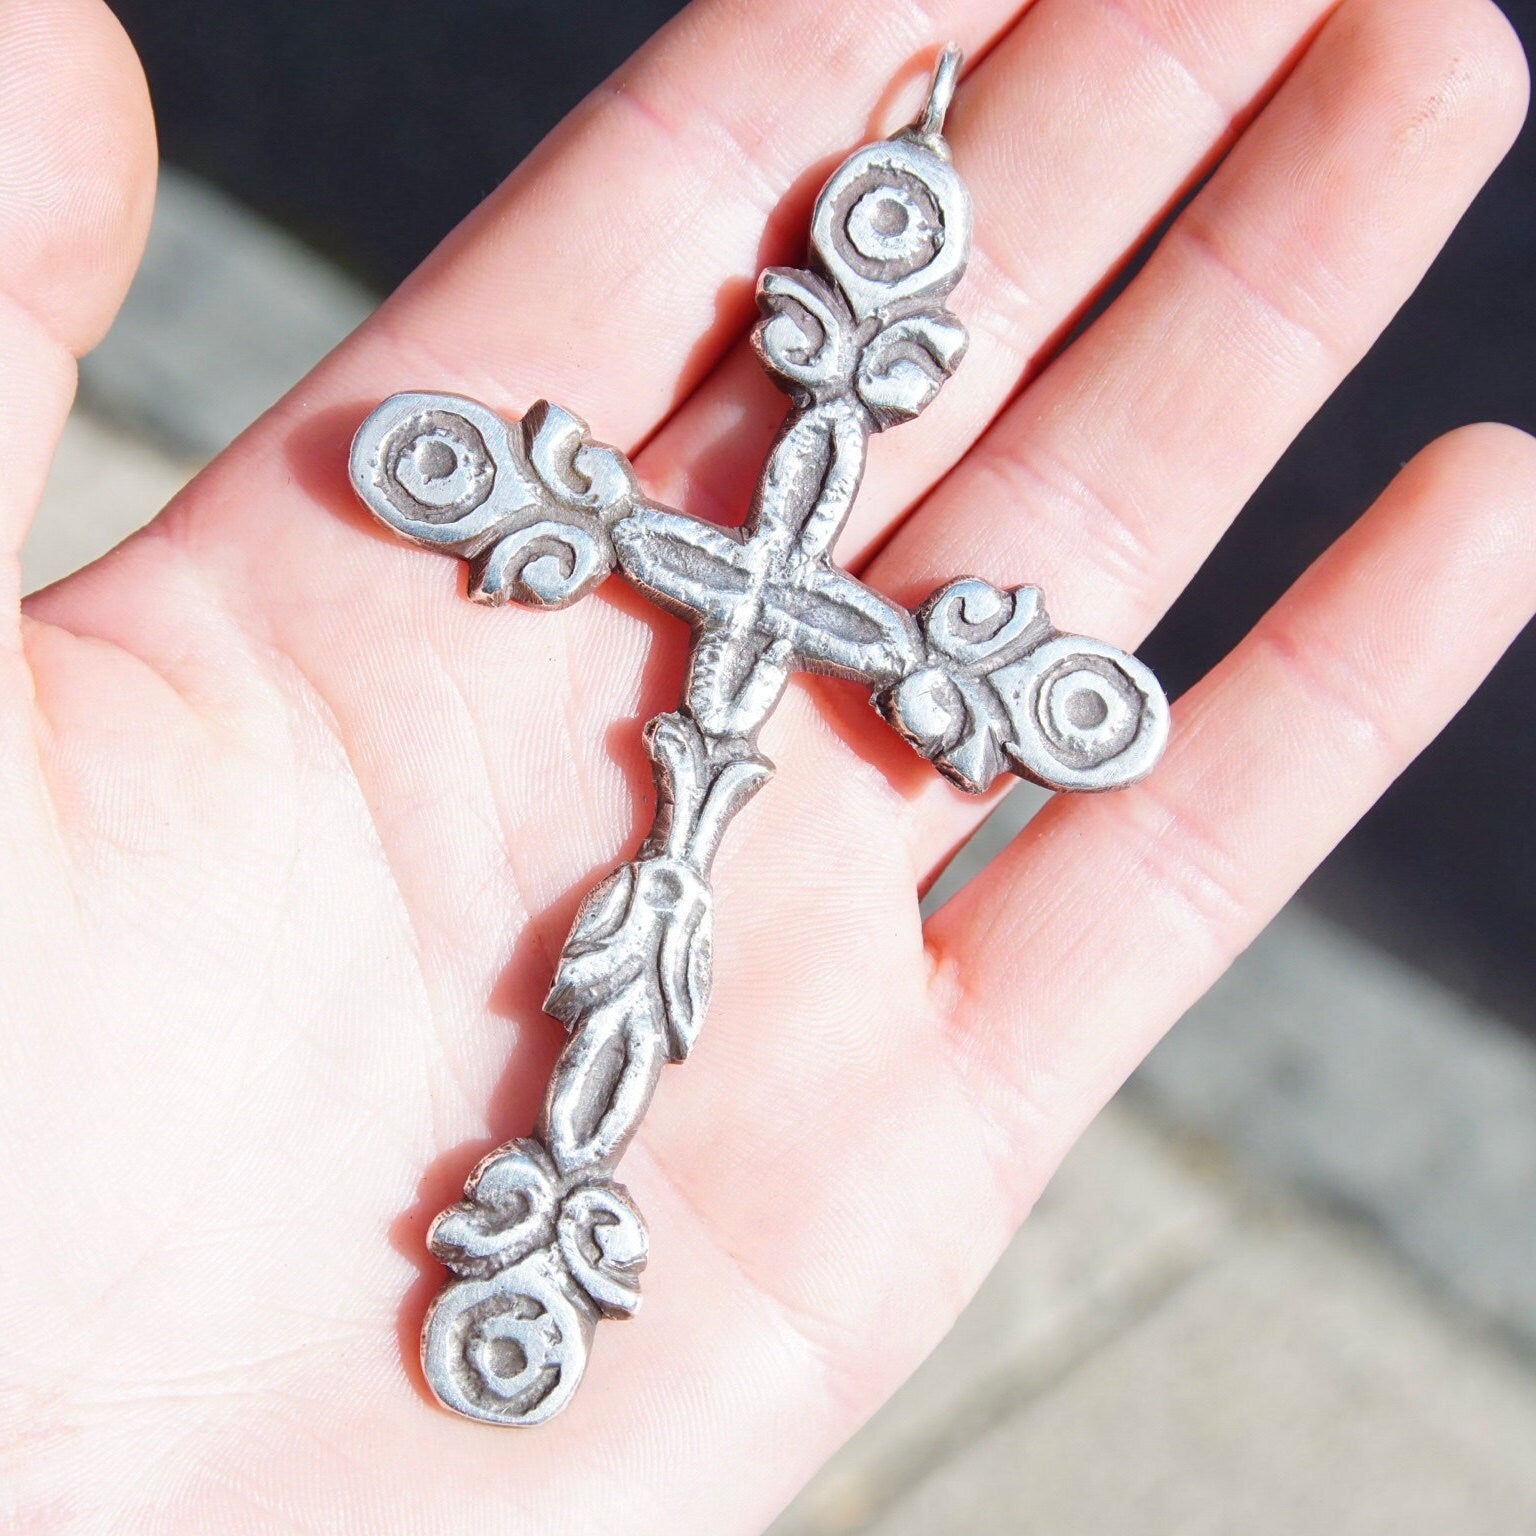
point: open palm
(292, 833)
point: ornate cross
(545, 1241)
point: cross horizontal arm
(976, 680)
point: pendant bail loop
(946, 75)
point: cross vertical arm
(546, 1242)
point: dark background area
(370, 127)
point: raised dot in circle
(1087, 709)
(435, 459)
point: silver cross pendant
(545, 1241)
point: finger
(662, 276)
(636, 229)
(605, 273)
(1075, 136)
(1274, 756)
(77, 175)
(1109, 481)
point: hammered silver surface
(545, 1241)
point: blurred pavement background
(1288, 1282)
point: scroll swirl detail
(889, 239)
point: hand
(293, 833)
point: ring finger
(1110, 479)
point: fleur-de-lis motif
(889, 237)
(998, 688)
(976, 680)
(530, 507)
(541, 1255)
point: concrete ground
(1286, 1284)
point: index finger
(640, 220)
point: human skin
(292, 832)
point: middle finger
(1075, 136)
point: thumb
(77, 174)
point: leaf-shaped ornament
(805, 339)
(903, 367)
(693, 569)
(507, 1212)
(835, 624)
(680, 899)
(602, 954)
